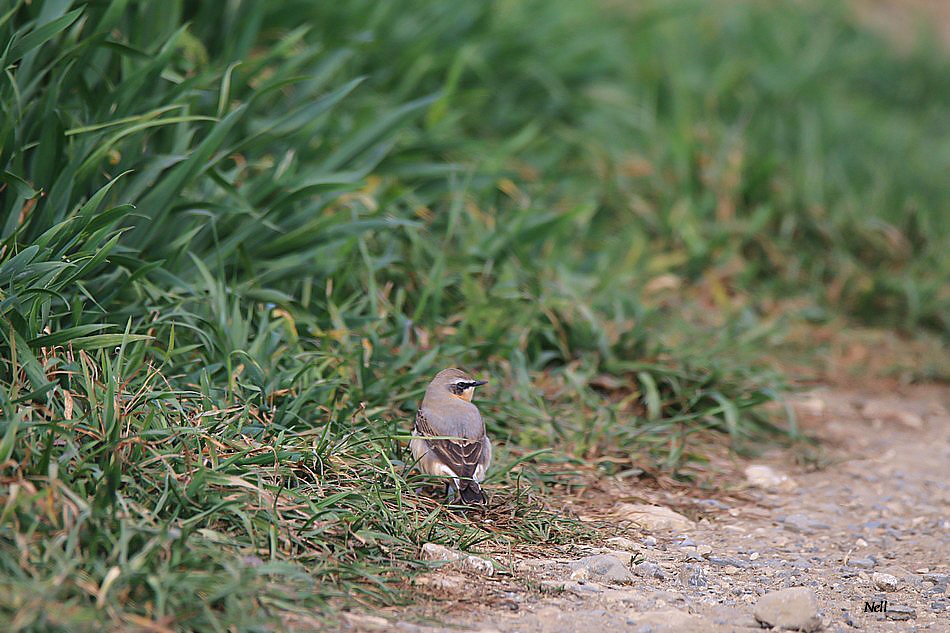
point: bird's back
(453, 416)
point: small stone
(727, 561)
(803, 523)
(646, 569)
(478, 565)
(892, 410)
(653, 517)
(799, 563)
(861, 543)
(884, 582)
(900, 612)
(649, 541)
(578, 589)
(433, 551)
(867, 562)
(794, 609)
(666, 621)
(623, 543)
(624, 557)
(447, 583)
(768, 478)
(602, 568)
(754, 556)
(713, 503)
(704, 550)
(458, 560)
(363, 622)
(812, 405)
(692, 575)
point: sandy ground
(871, 524)
(904, 20)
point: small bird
(447, 411)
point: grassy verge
(237, 240)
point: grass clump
(237, 240)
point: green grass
(236, 241)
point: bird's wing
(462, 456)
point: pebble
(712, 503)
(602, 568)
(666, 621)
(768, 478)
(727, 561)
(578, 589)
(367, 622)
(649, 541)
(653, 517)
(892, 410)
(646, 569)
(803, 523)
(812, 405)
(793, 609)
(435, 552)
(623, 543)
(692, 575)
(900, 612)
(884, 582)
(448, 583)
(867, 562)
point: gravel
(794, 609)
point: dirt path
(872, 525)
(903, 19)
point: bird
(447, 411)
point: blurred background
(237, 239)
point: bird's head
(456, 383)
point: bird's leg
(449, 492)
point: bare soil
(906, 20)
(872, 498)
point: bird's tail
(471, 493)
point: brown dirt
(905, 20)
(872, 497)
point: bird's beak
(479, 383)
